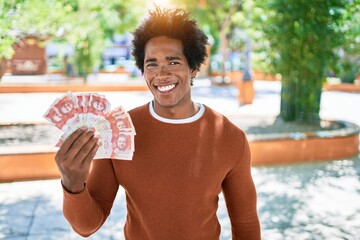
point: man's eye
(174, 63)
(151, 65)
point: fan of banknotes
(115, 128)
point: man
(185, 153)
(122, 147)
(122, 142)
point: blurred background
(279, 69)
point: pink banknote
(63, 113)
(115, 128)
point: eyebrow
(173, 58)
(167, 58)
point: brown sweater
(173, 182)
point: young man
(185, 153)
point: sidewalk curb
(69, 87)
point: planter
(235, 76)
(72, 85)
(342, 87)
(246, 92)
(37, 162)
(259, 75)
(28, 165)
(305, 147)
(118, 70)
(287, 151)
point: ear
(193, 73)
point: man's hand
(74, 158)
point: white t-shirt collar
(177, 121)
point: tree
(84, 24)
(301, 39)
(38, 18)
(20, 18)
(349, 65)
(219, 19)
(7, 38)
(92, 22)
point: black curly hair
(176, 24)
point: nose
(163, 71)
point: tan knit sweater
(173, 182)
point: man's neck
(176, 112)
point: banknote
(115, 127)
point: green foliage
(7, 39)
(216, 17)
(84, 24)
(348, 69)
(301, 37)
(84, 56)
(6, 50)
(39, 17)
(349, 65)
(88, 39)
(219, 19)
(90, 23)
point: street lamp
(247, 68)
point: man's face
(66, 107)
(56, 116)
(99, 106)
(121, 142)
(167, 73)
(120, 124)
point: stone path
(32, 210)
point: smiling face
(121, 143)
(55, 116)
(168, 76)
(99, 106)
(66, 107)
(120, 124)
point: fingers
(88, 150)
(91, 154)
(81, 146)
(74, 157)
(70, 140)
(77, 146)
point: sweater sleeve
(240, 197)
(87, 211)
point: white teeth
(166, 88)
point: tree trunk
(224, 48)
(300, 99)
(2, 67)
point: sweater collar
(177, 121)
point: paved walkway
(32, 210)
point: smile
(166, 88)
